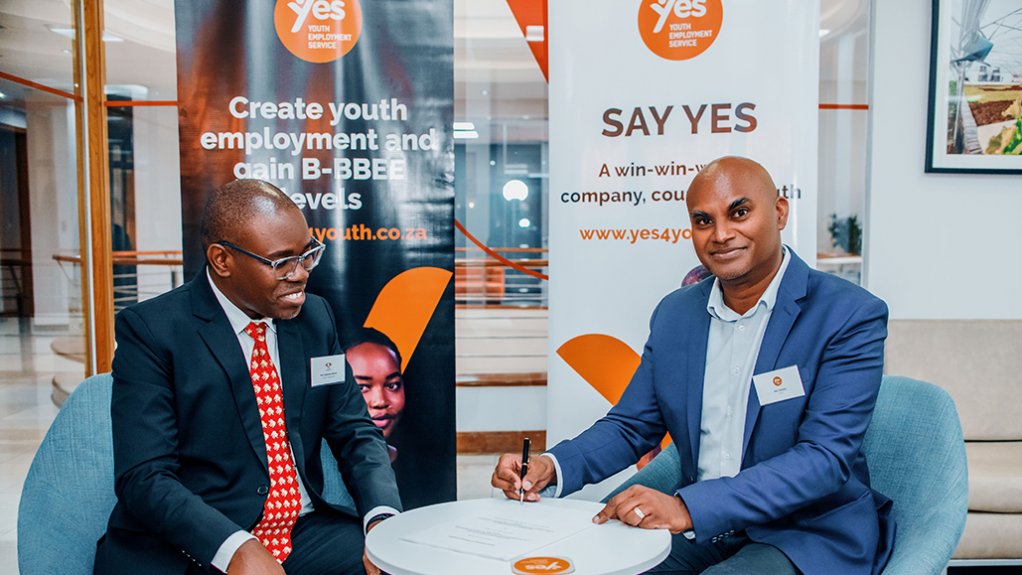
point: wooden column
(94, 186)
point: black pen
(525, 469)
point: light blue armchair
(916, 457)
(69, 490)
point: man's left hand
(647, 508)
(370, 568)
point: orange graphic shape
(533, 13)
(604, 362)
(318, 31)
(405, 305)
(679, 29)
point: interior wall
(938, 246)
(52, 178)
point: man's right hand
(505, 477)
(253, 559)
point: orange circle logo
(551, 565)
(778, 381)
(680, 29)
(318, 31)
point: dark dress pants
(324, 543)
(731, 555)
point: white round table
(609, 549)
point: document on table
(509, 530)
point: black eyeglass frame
(315, 253)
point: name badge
(778, 385)
(327, 369)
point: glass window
(844, 92)
(41, 306)
(145, 184)
(501, 175)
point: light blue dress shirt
(732, 348)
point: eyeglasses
(284, 268)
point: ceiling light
(70, 33)
(65, 32)
(466, 135)
(515, 190)
(524, 223)
(824, 32)
(464, 126)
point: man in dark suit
(223, 391)
(765, 375)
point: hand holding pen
(522, 477)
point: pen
(524, 470)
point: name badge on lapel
(327, 369)
(778, 385)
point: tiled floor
(27, 365)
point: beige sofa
(980, 364)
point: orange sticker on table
(680, 29)
(318, 31)
(551, 565)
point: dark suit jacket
(804, 483)
(189, 454)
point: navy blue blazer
(189, 454)
(804, 484)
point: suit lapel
(696, 355)
(223, 345)
(293, 370)
(786, 310)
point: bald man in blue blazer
(766, 376)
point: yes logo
(318, 31)
(320, 9)
(681, 8)
(679, 29)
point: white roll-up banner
(643, 94)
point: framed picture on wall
(975, 107)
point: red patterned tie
(284, 500)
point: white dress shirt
(239, 321)
(732, 347)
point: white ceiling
(496, 78)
